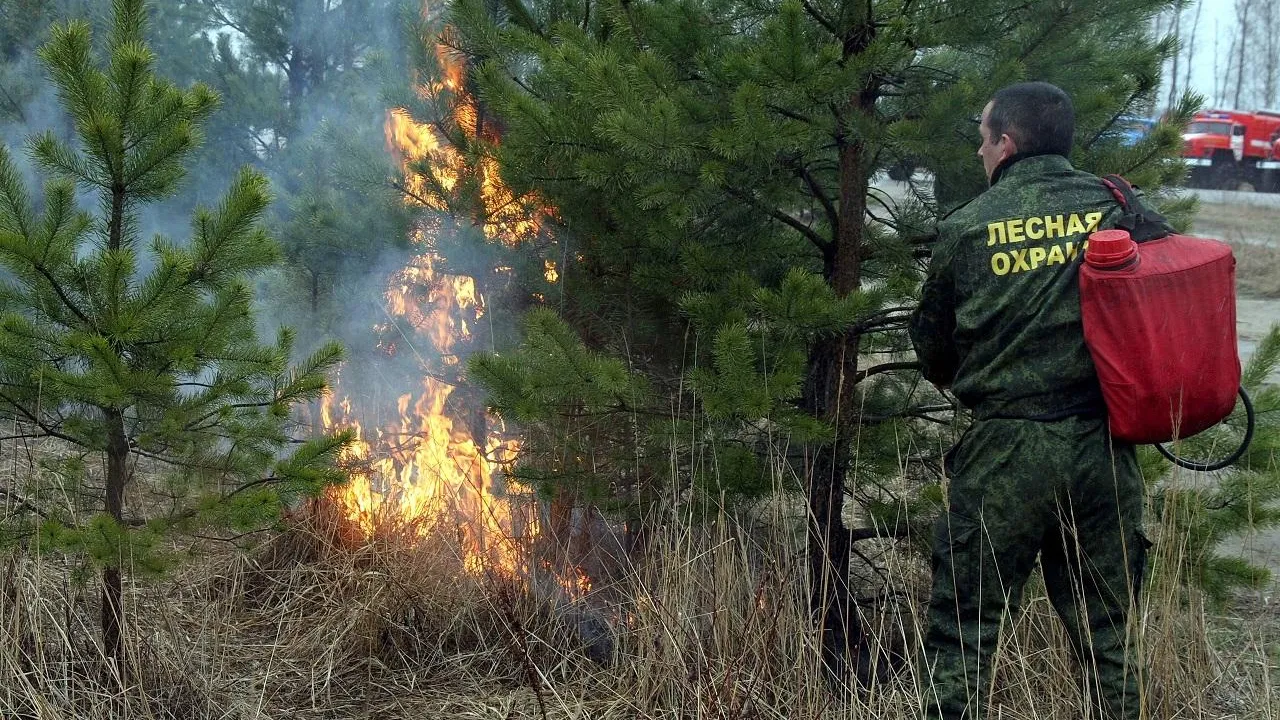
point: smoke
(305, 104)
(318, 138)
(29, 106)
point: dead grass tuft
(1254, 238)
(1257, 269)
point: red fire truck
(1224, 148)
(1269, 169)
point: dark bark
(112, 613)
(1244, 35)
(117, 478)
(845, 276)
(830, 600)
(298, 73)
(115, 229)
(117, 471)
(829, 394)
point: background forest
(542, 358)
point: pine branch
(21, 503)
(1049, 29)
(34, 419)
(1114, 119)
(898, 530)
(891, 224)
(921, 413)
(833, 216)
(17, 108)
(880, 319)
(233, 540)
(821, 19)
(884, 368)
(809, 233)
(252, 484)
(1143, 160)
(790, 114)
(23, 436)
(14, 200)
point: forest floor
(710, 624)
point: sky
(1217, 20)
(1216, 16)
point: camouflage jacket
(999, 315)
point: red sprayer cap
(1110, 249)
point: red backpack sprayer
(1159, 313)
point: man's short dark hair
(1038, 116)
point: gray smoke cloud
(329, 143)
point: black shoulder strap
(1142, 222)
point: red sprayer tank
(1160, 322)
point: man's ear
(1008, 146)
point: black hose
(1219, 464)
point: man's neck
(1012, 160)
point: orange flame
(443, 170)
(425, 468)
(426, 465)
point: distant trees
(1183, 23)
(1246, 56)
(304, 84)
(1263, 35)
(142, 352)
(23, 26)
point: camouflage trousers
(1020, 489)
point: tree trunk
(829, 396)
(1173, 74)
(831, 600)
(117, 477)
(115, 226)
(117, 467)
(1244, 34)
(1191, 47)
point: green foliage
(571, 403)
(302, 83)
(146, 352)
(302, 102)
(24, 26)
(706, 161)
(333, 227)
(104, 541)
(285, 71)
(1211, 514)
(697, 157)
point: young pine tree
(724, 242)
(144, 352)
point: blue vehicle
(1133, 129)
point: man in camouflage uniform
(1037, 472)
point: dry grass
(713, 628)
(1234, 222)
(1257, 269)
(1254, 236)
(710, 623)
